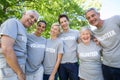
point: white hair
(33, 11)
(85, 28)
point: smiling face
(93, 17)
(29, 18)
(64, 23)
(40, 27)
(85, 36)
(55, 30)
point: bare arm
(59, 57)
(10, 56)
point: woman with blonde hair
(53, 53)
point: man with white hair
(13, 44)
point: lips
(94, 22)
(52, 32)
(85, 38)
(30, 22)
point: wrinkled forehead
(91, 9)
(32, 12)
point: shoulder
(28, 34)
(59, 40)
(12, 20)
(95, 44)
(9, 22)
(72, 30)
(43, 38)
(115, 17)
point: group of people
(32, 57)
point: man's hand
(21, 76)
(96, 41)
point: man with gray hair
(13, 44)
(108, 34)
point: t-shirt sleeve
(60, 47)
(77, 49)
(78, 35)
(116, 19)
(9, 28)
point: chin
(93, 24)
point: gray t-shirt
(90, 61)
(109, 38)
(70, 45)
(14, 29)
(53, 48)
(35, 53)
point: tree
(10, 8)
(48, 10)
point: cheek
(26, 24)
(43, 29)
(81, 37)
(58, 32)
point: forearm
(57, 64)
(10, 56)
(12, 61)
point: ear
(24, 13)
(79, 40)
(99, 14)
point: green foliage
(9, 9)
(49, 11)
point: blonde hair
(57, 24)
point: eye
(61, 22)
(39, 25)
(35, 20)
(65, 21)
(42, 26)
(88, 18)
(31, 16)
(93, 15)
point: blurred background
(49, 10)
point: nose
(91, 18)
(64, 22)
(33, 20)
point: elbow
(6, 51)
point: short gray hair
(33, 11)
(90, 9)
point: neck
(100, 24)
(66, 30)
(22, 22)
(87, 43)
(53, 37)
(37, 34)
